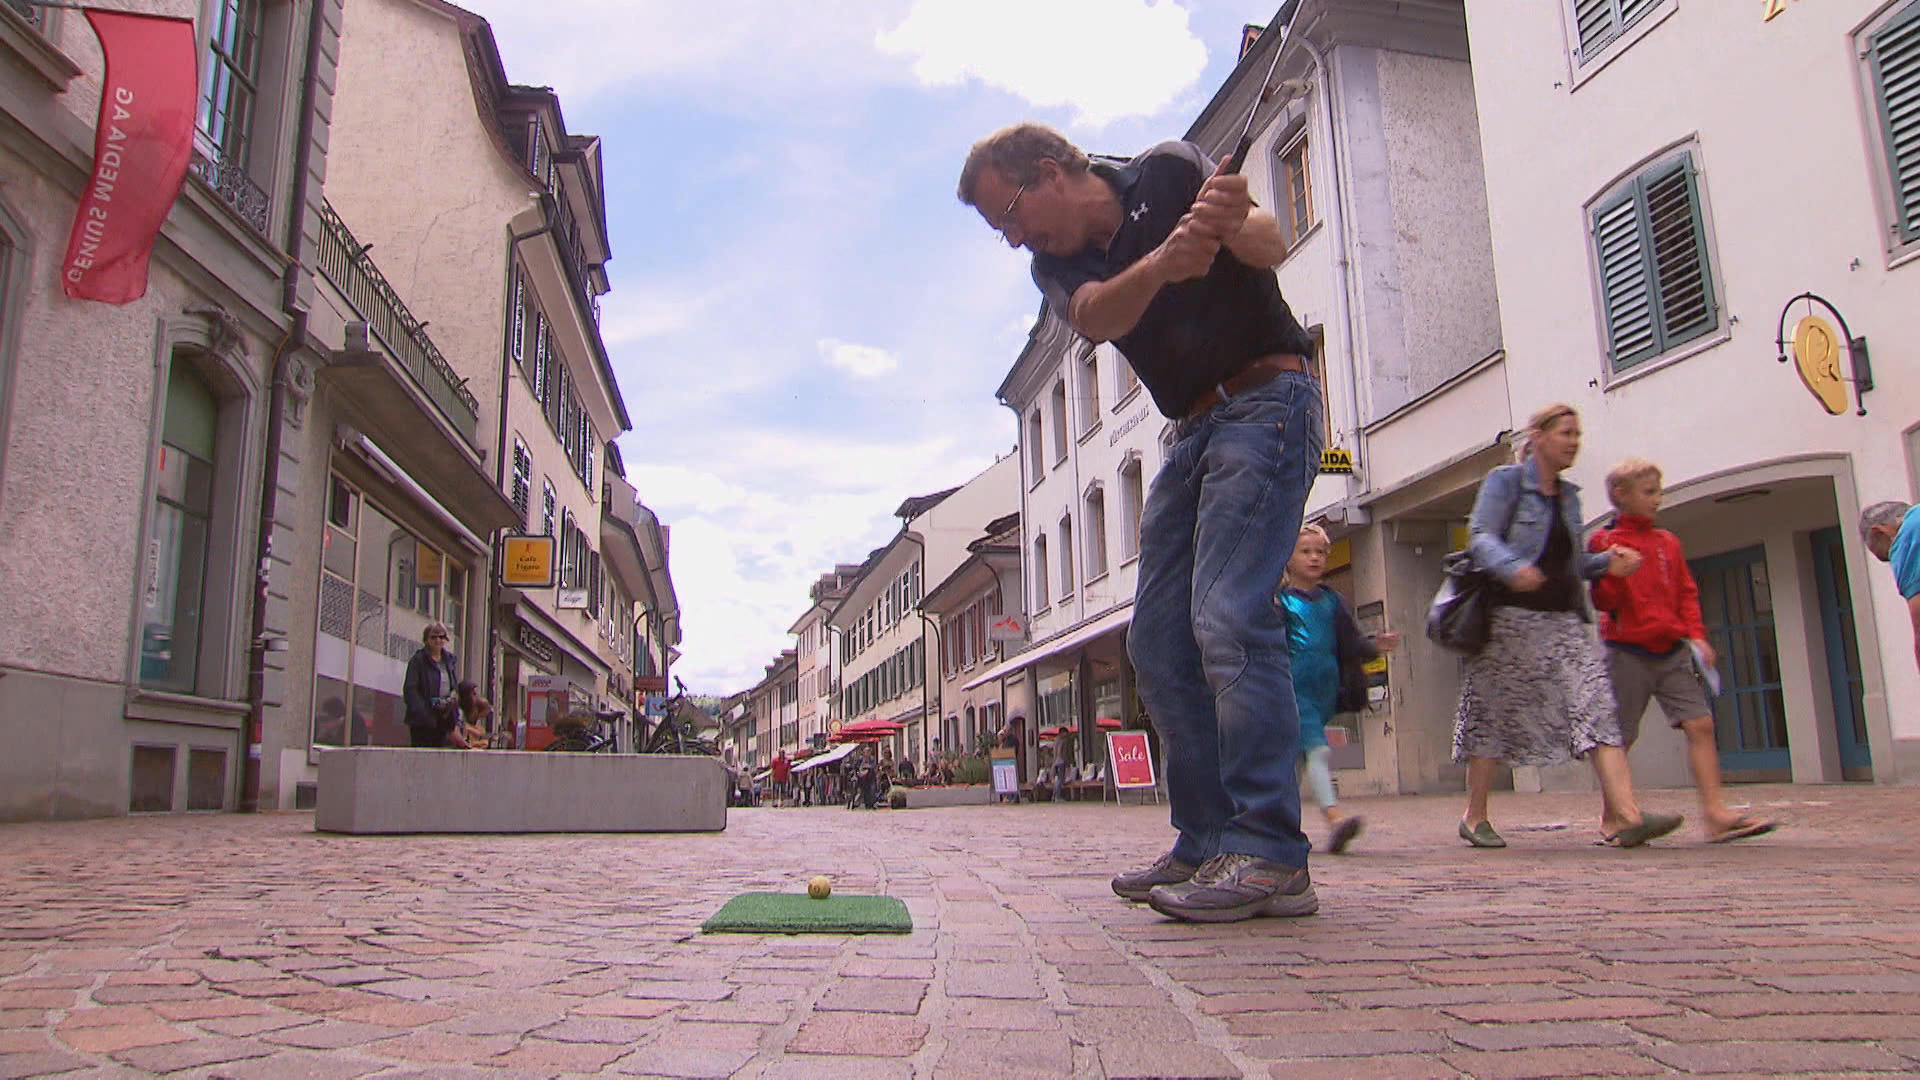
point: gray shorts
(1639, 679)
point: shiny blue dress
(1316, 659)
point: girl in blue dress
(1328, 651)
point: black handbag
(1461, 615)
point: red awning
(1049, 733)
(1108, 723)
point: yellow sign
(1816, 353)
(1335, 460)
(527, 562)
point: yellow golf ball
(819, 888)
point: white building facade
(1729, 160)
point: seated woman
(471, 730)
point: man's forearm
(1104, 310)
(1258, 242)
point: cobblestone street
(234, 946)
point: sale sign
(1132, 759)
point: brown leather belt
(1257, 373)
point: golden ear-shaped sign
(1816, 353)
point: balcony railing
(27, 11)
(344, 262)
(230, 181)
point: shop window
(374, 610)
(1893, 65)
(1651, 254)
(177, 553)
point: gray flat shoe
(1481, 835)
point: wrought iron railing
(27, 11)
(344, 262)
(230, 181)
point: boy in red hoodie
(1648, 620)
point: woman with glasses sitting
(432, 680)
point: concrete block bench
(378, 789)
(919, 798)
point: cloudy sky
(807, 325)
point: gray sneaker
(1229, 888)
(1166, 870)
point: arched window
(172, 604)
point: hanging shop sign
(527, 562)
(568, 599)
(1336, 460)
(1818, 351)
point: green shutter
(1598, 22)
(1683, 282)
(1626, 292)
(1895, 56)
(1631, 11)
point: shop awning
(1118, 618)
(827, 758)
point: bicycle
(677, 732)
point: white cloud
(1104, 59)
(860, 361)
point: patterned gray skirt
(1537, 694)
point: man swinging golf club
(1167, 257)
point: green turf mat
(798, 913)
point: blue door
(1749, 716)
(1843, 653)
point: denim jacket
(1513, 492)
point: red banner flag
(141, 148)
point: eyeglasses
(436, 637)
(1006, 215)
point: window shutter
(1597, 22)
(517, 317)
(541, 357)
(1625, 291)
(1679, 254)
(1895, 60)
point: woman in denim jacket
(1538, 693)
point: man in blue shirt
(1166, 256)
(1891, 531)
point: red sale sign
(1132, 759)
(142, 145)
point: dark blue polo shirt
(1194, 333)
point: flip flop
(1742, 829)
(1651, 827)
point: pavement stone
(245, 947)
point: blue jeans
(1209, 640)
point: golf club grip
(1239, 157)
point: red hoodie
(1657, 606)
